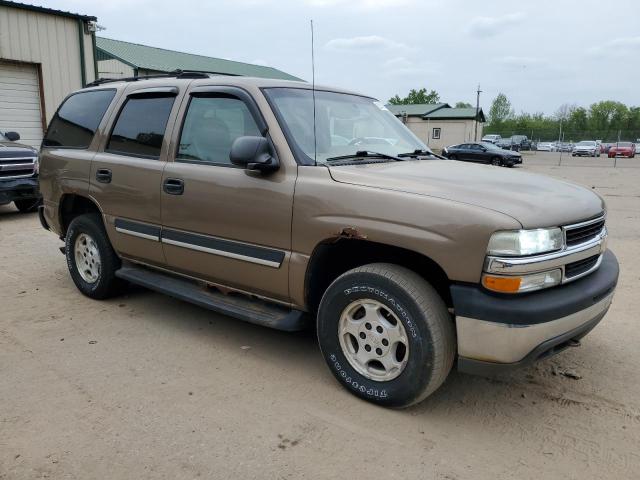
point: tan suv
(271, 203)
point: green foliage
(602, 120)
(416, 96)
(463, 105)
(500, 110)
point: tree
(564, 111)
(416, 96)
(500, 110)
(463, 105)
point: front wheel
(91, 259)
(386, 334)
(496, 161)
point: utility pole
(478, 92)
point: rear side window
(140, 127)
(76, 121)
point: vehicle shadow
(298, 354)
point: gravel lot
(144, 386)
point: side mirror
(253, 153)
(12, 136)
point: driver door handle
(173, 186)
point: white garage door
(20, 102)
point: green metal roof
(162, 60)
(416, 109)
(455, 113)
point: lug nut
(385, 342)
(379, 329)
(363, 335)
(368, 326)
(379, 351)
(367, 347)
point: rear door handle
(103, 175)
(173, 186)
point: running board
(234, 305)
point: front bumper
(497, 333)
(583, 153)
(18, 189)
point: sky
(541, 53)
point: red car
(622, 149)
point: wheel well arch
(332, 258)
(73, 205)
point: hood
(534, 200)
(13, 149)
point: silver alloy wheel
(87, 258)
(373, 340)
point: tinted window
(210, 127)
(77, 120)
(475, 147)
(140, 126)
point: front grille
(584, 233)
(17, 167)
(581, 266)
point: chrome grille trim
(24, 165)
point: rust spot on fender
(351, 232)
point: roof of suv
(223, 80)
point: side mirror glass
(253, 153)
(12, 136)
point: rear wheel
(453, 157)
(91, 260)
(386, 334)
(28, 205)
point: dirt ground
(144, 386)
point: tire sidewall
(87, 224)
(416, 375)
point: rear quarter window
(76, 121)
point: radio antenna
(313, 92)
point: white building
(440, 125)
(44, 55)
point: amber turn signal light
(501, 284)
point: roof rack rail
(176, 73)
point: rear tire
(386, 334)
(90, 257)
(453, 157)
(28, 205)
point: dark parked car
(522, 142)
(18, 173)
(484, 152)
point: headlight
(525, 242)
(36, 165)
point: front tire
(496, 161)
(386, 334)
(90, 257)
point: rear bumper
(498, 333)
(17, 189)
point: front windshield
(345, 124)
(623, 144)
(586, 143)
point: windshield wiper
(364, 154)
(419, 153)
